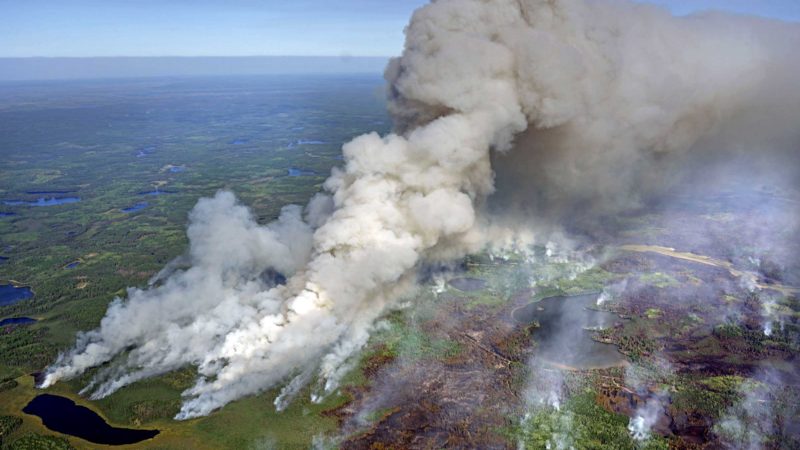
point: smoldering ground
(510, 116)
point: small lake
(137, 207)
(3, 259)
(177, 169)
(17, 321)
(72, 265)
(300, 142)
(43, 201)
(564, 333)
(64, 416)
(144, 151)
(295, 172)
(7, 214)
(10, 294)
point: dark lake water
(10, 294)
(295, 172)
(137, 207)
(72, 265)
(564, 334)
(3, 259)
(43, 201)
(64, 416)
(7, 214)
(177, 169)
(17, 321)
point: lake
(564, 332)
(43, 201)
(295, 172)
(137, 207)
(142, 152)
(10, 294)
(17, 321)
(64, 416)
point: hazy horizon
(90, 39)
(75, 68)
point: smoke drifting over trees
(559, 106)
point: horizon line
(203, 56)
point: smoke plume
(568, 105)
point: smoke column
(577, 103)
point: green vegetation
(636, 339)
(7, 385)
(378, 415)
(8, 424)
(40, 442)
(580, 423)
(726, 384)
(108, 142)
(592, 280)
(697, 397)
(653, 313)
(402, 339)
(659, 280)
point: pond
(137, 207)
(300, 142)
(72, 265)
(7, 214)
(10, 294)
(43, 201)
(144, 151)
(564, 332)
(64, 416)
(177, 169)
(295, 172)
(17, 321)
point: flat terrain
(683, 314)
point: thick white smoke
(608, 91)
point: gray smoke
(567, 104)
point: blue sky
(242, 27)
